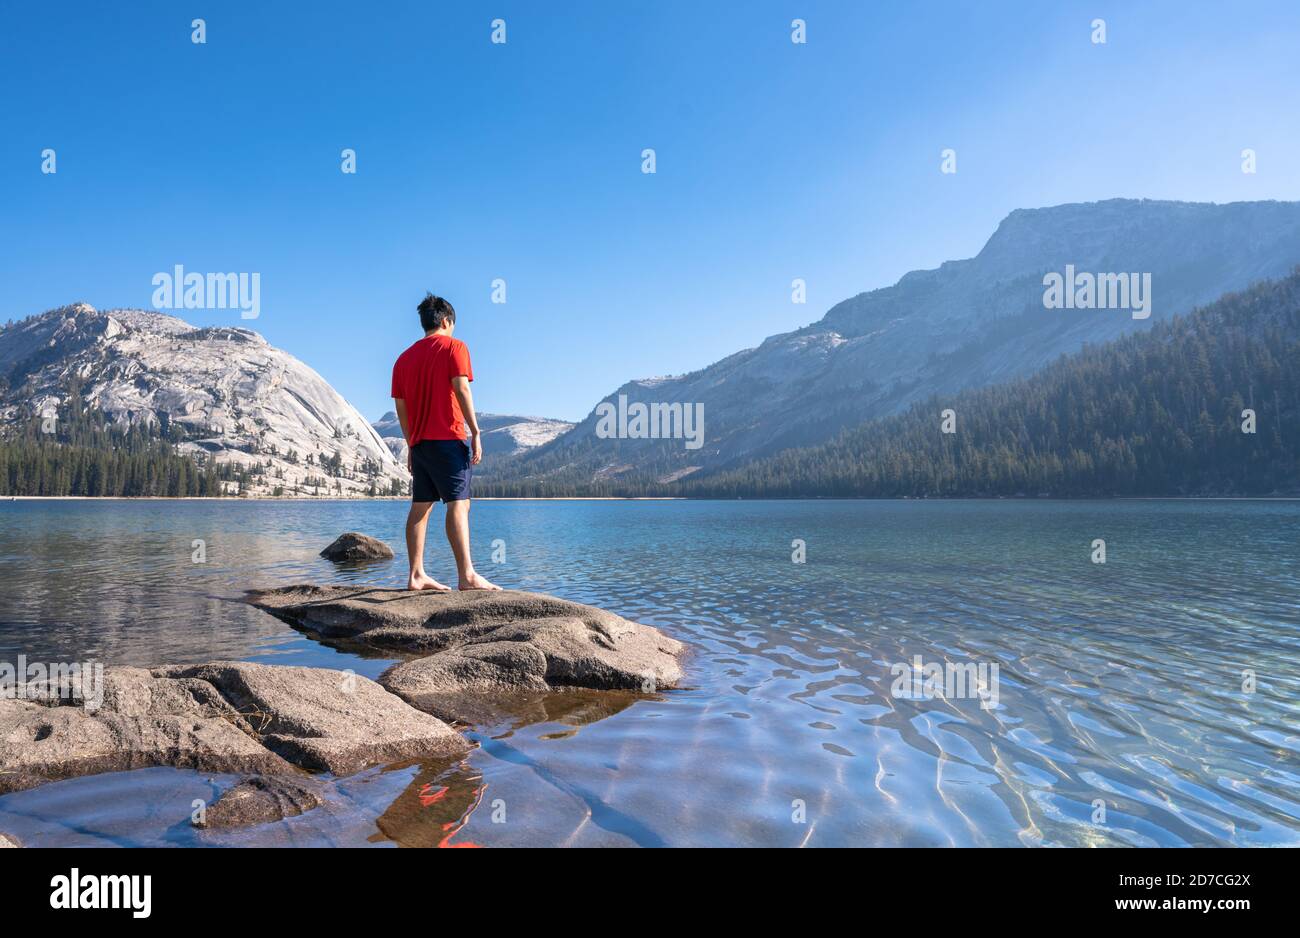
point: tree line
(72, 451)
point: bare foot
(476, 582)
(422, 581)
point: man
(433, 403)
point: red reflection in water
(427, 798)
(430, 796)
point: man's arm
(399, 405)
(460, 386)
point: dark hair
(435, 312)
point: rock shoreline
(470, 657)
(225, 716)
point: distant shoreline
(661, 498)
(374, 498)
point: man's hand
(460, 387)
(409, 467)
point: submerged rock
(18, 781)
(477, 646)
(260, 800)
(236, 717)
(357, 546)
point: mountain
(222, 395)
(969, 323)
(1157, 413)
(503, 435)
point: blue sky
(523, 161)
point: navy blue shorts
(440, 470)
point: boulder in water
(357, 546)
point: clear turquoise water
(1120, 684)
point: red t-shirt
(422, 377)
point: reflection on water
(1121, 685)
(433, 808)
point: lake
(1124, 711)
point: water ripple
(1123, 716)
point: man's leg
(416, 521)
(458, 537)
